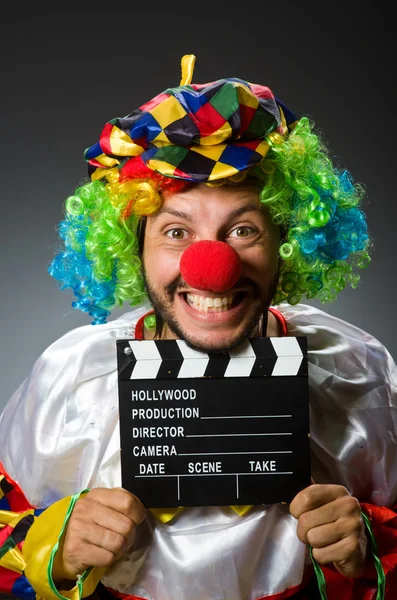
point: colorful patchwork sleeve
(379, 581)
(29, 540)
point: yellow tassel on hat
(187, 64)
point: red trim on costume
(289, 593)
(281, 320)
(140, 325)
(124, 596)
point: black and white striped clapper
(205, 429)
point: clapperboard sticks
(196, 427)
(174, 359)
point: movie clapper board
(212, 429)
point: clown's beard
(163, 308)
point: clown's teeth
(208, 304)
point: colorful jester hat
(196, 132)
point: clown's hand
(329, 519)
(100, 530)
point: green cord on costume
(378, 565)
(81, 578)
(320, 576)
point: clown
(212, 210)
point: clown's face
(210, 320)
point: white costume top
(59, 434)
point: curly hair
(325, 235)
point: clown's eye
(241, 232)
(177, 233)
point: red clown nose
(211, 266)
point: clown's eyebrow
(181, 215)
(243, 210)
(170, 211)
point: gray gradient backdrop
(64, 74)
